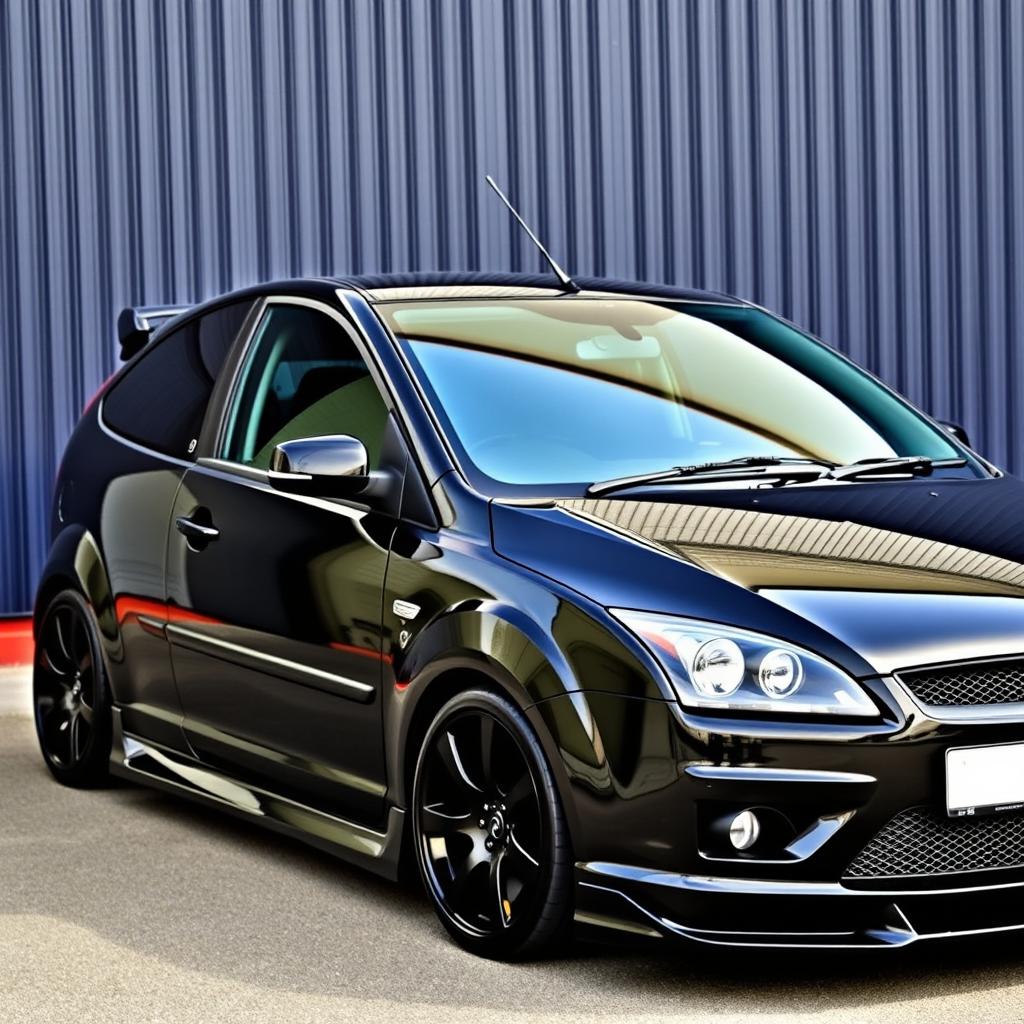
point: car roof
(482, 284)
(468, 284)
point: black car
(623, 606)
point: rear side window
(160, 402)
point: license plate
(983, 780)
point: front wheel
(490, 835)
(70, 694)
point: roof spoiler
(136, 324)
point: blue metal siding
(855, 164)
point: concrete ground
(131, 906)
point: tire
(71, 694)
(489, 832)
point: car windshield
(553, 394)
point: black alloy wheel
(490, 836)
(72, 709)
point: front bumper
(616, 898)
(647, 866)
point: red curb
(16, 644)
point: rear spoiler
(136, 324)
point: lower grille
(988, 682)
(921, 841)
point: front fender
(571, 657)
(571, 651)
(494, 638)
(622, 760)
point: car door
(152, 417)
(276, 598)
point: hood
(877, 576)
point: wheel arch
(582, 690)
(449, 682)
(75, 562)
(481, 644)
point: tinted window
(304, 378)
(560, 392)
(160, 402)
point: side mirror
(333, 466)
(957, 431)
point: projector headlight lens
(724, 668)
(718, 668)
(780, 673)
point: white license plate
(984, 779)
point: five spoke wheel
(484, 826)
(480, 821)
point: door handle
(195, 532)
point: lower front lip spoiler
(751, 912)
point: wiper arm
(905, 465)
(751, 466)
(782, 469)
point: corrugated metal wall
(855, 164)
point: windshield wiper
(782, 470)
(903, 465)
(751, 466)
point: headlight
(722, 667)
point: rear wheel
(489, 831)
(70, 694)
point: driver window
(304, 377)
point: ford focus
(620, 608)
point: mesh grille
(921, 841)
(993, 682)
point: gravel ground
(128, 905)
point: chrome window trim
(184, 317)
(234, 468)
(349, 301)
(129, 443)
(349, 323)
(237, 473)
(255, 318)
(245, 353)
(252, 476)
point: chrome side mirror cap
(335, 465)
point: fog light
(744, 830)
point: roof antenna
(567, 283)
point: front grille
(989, 682)
(921, 841)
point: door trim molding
(319, 679)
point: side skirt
(151, 765)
